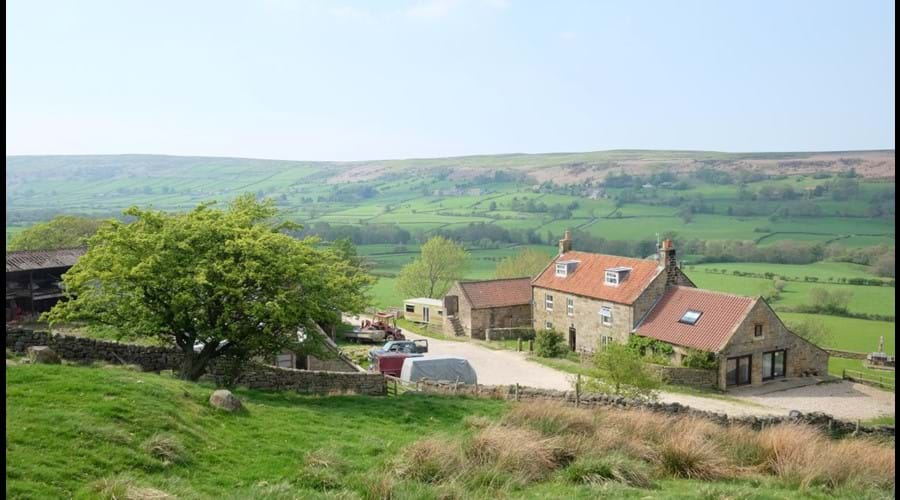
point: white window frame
(562, 270)
(606, 319)
(548, 325)
(605, 341)
(548, 302)
(407, 308)
(570, 306)
(612, 274)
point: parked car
(408, 346)
(447, 368)
(391, 363)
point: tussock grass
(125, 487)
(166, 448)
(599, 469)
(322, 470)
(536, 440)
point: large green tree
(227, 282)
(526, 264)
(63, 231)
(441, 262)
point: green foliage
(527, 263)
(619, 369)
(700, 359)
(63, 231)
(811, 328)
(441, 262)
(549, 344)
(829, 301)
(228, 280)
(647, 347)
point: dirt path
(843, 400)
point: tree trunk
(193, 366)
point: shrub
(549, 344)
(700, 359)
(166, 448)
(621, 370)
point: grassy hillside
(114, 433)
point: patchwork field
(497, 205)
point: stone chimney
(667, 260)
(565, 244)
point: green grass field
(109, 432)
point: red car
(391, 363)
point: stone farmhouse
(474, 307)
(596, 299)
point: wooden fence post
(519, 345)
(530, 345)
(844, 374)
(578, 390)
(517, 391)
(456, 386)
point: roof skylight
(690, 317)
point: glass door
(773, 364)
(737, 370)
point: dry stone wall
(691, 377)
(590, 400)
(150, 358)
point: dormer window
(690, 317)
(565, 268)
(616, 275)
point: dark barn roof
(32, 260)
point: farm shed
(473, 307)
(424, 310)
(34, 280)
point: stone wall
(519, 393)
(525, 333)
(802, 358)
(497, 317)
(150, 358)
(85, 350)
(846, 354)
(311, 381)
(691, 377)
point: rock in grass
(225, 400)
(43, 354)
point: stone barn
(474, 307)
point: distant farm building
(34, 280)
(473, 307)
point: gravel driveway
(843, 400)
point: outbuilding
(475, 307)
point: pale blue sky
(344, 80)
